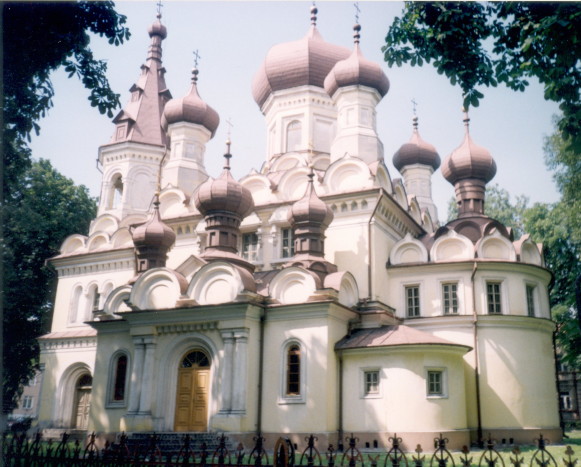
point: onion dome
(306, 61)
(152, 240)
(469, 161)
(356, 70)
(309, 217)
(192, 109)
(157, 29)
(310, 208)
(469, 168)
(224, 194)
(416, 151)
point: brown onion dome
(192, 109)
(306, 61)
(356, 70)
(469, 161)
(224, 194)
(154, 233)
(157, 29)
(416, 151)
(310, 208)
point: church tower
(132, 157)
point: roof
(70, 334)
(390, 336)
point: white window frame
(532, 301)
(443, 382)
(448, 283)
(370, 395)
(112, 373)
(300, 398)
(291, 247)
(499, 303)
(405, 299)
(27, 402)
(255, 256)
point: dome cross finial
(195, 70)
(357, 27)
(228, 155)
(415, 117)
(159, 7)
(466, 120)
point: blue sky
(233, 37)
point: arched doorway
(82, 402)
(193, 392)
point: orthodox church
(318, 295)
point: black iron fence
(18, 450)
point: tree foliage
(480, 45)
(40, 37)
(39, 206)
(47, 208)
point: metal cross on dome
(415, 105)
(196, 58)
(159, 6)
(357, 11)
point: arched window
(293, 136)
(115, 196)
(118, 373)
(293, 371)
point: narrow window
(293, 136)
(250, 247)
(531, 300)
(450, 298)
(120, 379)
(27, 402)
(412, 294)
(493, 297)
(117, 194)
(371, 382)
(287, 244)
(435, 383)
(565, 401)
(293, 376)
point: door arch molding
(66, 394)
(170, 359)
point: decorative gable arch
(116, 300)
(347, 174)
(529, 251)
(73, 244)
(157, 289)
(452, 247)
(496, 246)
(293, 285)
(408, 250)
(344, 282)
(219, 282)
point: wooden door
(82, 402)
(193, 393)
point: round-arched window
(196, 358)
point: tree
(40, 37)
(49, 208)
(484, 44)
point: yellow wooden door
(192, 395)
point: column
(136, 375)
(148, 375)
(228, 338)
(240, 371)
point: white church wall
(403, 403)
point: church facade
(318, 295)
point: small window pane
(371, 382)
(120, 379)
(250, 247)
(412, 301)
(450, 298)
(530, 300)
(293, 371)
(493, 297)
(293, 136)
(287, 244)
(435, 383)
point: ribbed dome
(416, 151)
(291, 64)
(469, 161)
(224, 194)
(192, 109)
(154, 233)
(157, 29)
(356, 70)
(310, 208)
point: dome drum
(470, 195)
